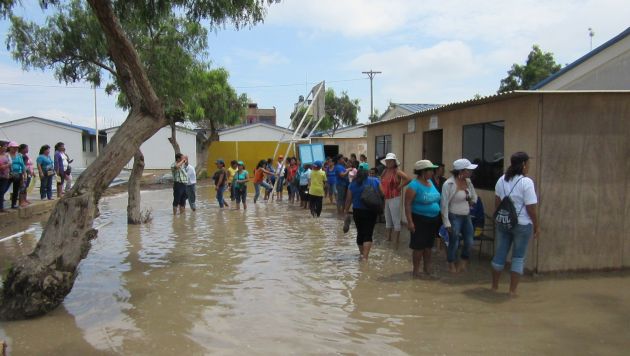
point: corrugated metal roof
(582, 59)
(417, 107)
(492, 98)
(88, 130)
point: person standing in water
(422, 207)
(191, 186)
(317, 181)
(220, 178)
(520, 189)
(458, 195)
(392, 182)
(180, 180)
(259, 179)
(231, 171)
(241, 177)
(364, 218)
(280, 171)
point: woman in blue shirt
(46, 170)
(18, 172)
(422, 208)
(364, 218)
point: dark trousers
(316, 204)
(364, 220)
(45, 187)
(4, 186)
(17, 186)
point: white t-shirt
(192, 176)
(522, 195)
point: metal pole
(96, 121)
(371, 75)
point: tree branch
(127, 60)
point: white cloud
(412, 74)
(262, 58)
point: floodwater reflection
(272, 280)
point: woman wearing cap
(422, 208)
(364, 218)
(5, 169)
(520, 189)
(458, 195)
(18, 172)
(316, 183)
(240, 185)
(392, 182)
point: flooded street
(272, 280)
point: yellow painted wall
(249, 152)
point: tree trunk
(202, 158)
(39, 282)
(173, 138)
(134, 214)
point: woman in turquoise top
(241, 177)
(46, 170)
(422, 208)
(18, 172)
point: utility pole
(371, 75)
(95, 121)
(591, 34)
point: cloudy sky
(427, 51)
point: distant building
(158, 151)
(395, 110)
(257, 115)
(80, 141)
(607, 67)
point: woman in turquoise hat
(241, 177)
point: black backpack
(506, 216)
(372, 198)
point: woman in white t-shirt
(520, 189)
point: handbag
(372, 198)
(50, 171)
(15, 176)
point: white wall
(253, 133)
(36, 133)
(158, 152)
(607, 70)
(356, 132)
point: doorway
(331, 150)
(432, 146)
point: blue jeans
(279, 185)
(240, 194)
(45, 187)
(341, 194)
(462, 228)
(220, 191)
(257, 189)
(518, 237)
(191, 193)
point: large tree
(39, 282)
(213, 105)
(539, 65)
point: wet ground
(272, 280)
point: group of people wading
(430, 203)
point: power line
(236, 87)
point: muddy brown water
(272, 280)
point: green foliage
(340, 111)
(538, 66)
(375, 116)
(213, 102)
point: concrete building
(80, 141)
(607, 67)
(157, 150)
(257, 115)
(579, 148)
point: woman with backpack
(515, 218)
(364, 218)
(422, 207)
(458, 195)
(392, 182)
